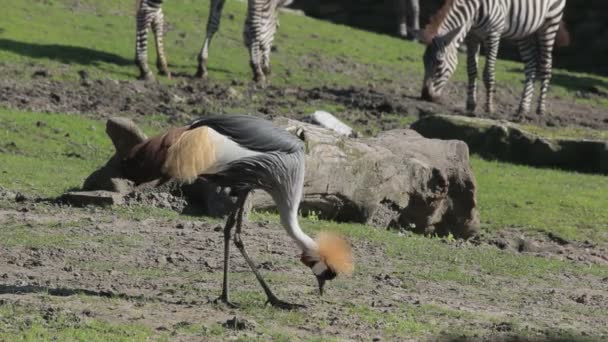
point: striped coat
(259, 30)
(533, 24)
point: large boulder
(510, 142)
(396, 180)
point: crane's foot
(223, 300)
(277, 303)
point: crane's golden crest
(335, 252)
(190, 155)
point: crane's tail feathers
(190, 155)
(336, 252)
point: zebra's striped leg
(472, 61)
(267, 43)
(491, 44)
(213, 25)
(141, 44)
(266, 61)
(546, 41)
(256, 57)
(255, 52)
(157, 27)
(529, 53)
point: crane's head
(332, 256)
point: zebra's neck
(459, 20)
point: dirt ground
(177, 265)
(367, 106)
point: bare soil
(378, 106)
(166, 273)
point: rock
(98, 198)
(398, 179)
(327, 120)
(124, 134)
(238, 324)
(509, 142)
(109, 178)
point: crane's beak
(321, 282)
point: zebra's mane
(431, 29)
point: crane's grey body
(278, 169)
(244, 153)
(252, 133)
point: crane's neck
(288, 199)
(289, 220)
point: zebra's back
(516, 19)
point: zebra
(408, 12)
(533, 24)
(149, 13)
(260, 27)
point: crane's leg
(213, 24)
(224, 298)
(272, 299)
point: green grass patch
(64, 234)
(49, 153)
(569, 204)
(26, 323)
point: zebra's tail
(562, 39)
(137, 5)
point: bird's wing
(252, 133)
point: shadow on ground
(66, 292)
(63, 53)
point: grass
(568, 204)
(26, 323)
(49, 153)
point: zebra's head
(440, 60)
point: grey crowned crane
(243, 153)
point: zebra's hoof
(164, 72)
(471, 107)
(146, 77)
(201, 73)
(260, 81)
